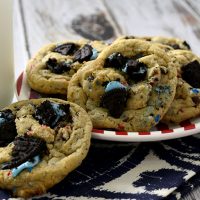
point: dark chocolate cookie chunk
(191, 73)
(115, 60)
(25, 148)
(83, 54)
(7, 127)
(51, 114)
(136, 70)
(115, 98)
(58, 68)
(66, 49)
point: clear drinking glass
(6, 53)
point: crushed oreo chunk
(51, 114)
(191, 73)
(115, 101)
(58, 68)
(7, 127)
(83, 54)
(115, 60)
(66, 49)
(25, 148)
(136, 70)
(187, 45)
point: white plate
(160, 132)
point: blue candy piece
(157, 118)
(195, 90)
(94, 54)
(113, 85)
(27, 165)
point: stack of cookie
(129, 85)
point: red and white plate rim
(160, 132)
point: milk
(6, 53)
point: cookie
(175, 43)
(186, 103)
(49, 139)
(50, 70)
(129, 87)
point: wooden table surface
(38, 22)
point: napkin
(140, 171)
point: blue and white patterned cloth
(142, 171)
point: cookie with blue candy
(50, 70)
(48, 139)
(186, 104)
(129, 87)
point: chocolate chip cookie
(50, 70)
(129, 87)
(186, 103)
(41, 141)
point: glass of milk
(6, 53)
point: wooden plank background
(39, 22)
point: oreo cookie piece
(7, 127)
(83, 54)
(50, 114)
(58, 68)
(191, 73)
(25, 148)
(66, 49)
(115, 98)
(115, 60)
(136, 70)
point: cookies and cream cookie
(41, 142)
(129, 87)
(50, 70)
(186, 103)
